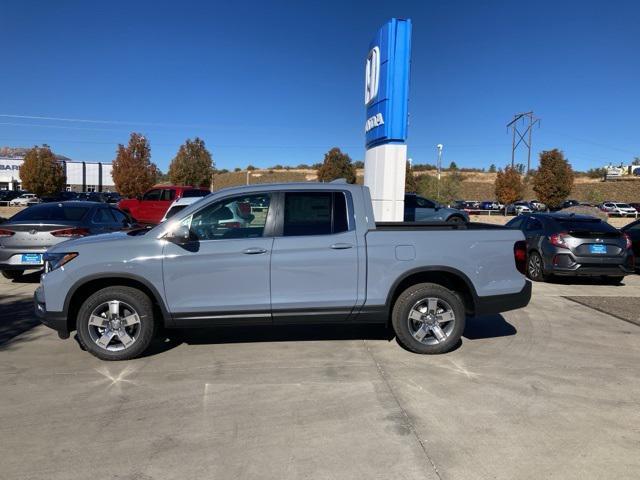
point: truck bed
(437, 226)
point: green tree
(410, 183)
(492, 168)
(358, 164)
(251, 168)
(636, 161)
(41, 173)
(192, 165)
(554, 179)
(447, 191)
(453, 166)
(509, 187)
(132, 170)
(336, 165)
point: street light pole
(439, 147)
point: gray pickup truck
(281, 254)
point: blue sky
(273, 82)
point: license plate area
(598, 249)
(31, 259)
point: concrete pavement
(550, 391)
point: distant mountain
(20, 152)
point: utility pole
(439, 147)
(533, 120)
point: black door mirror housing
(180, 235)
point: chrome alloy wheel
(114, 325)
(431, 320)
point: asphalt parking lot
(550, 391)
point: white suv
(618, 208)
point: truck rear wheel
(428, 318)
(116, 323)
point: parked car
(179, 205)
(616, 208)
(518, 208)
(466, 205)
(24, 200)
(566, 204)
(7, 195)
(112, 197)
(633, 231)
(155, 202)
(490, 205)
(25, 237)
(60, 197)
(315, 254)
(570, 244)
(537, 206)
(420, 209)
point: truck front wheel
(428, 318)
(116, 323)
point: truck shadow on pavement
(16, 318)
(491, 326)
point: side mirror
(180, 235)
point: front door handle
(254, 251)
(341, 246)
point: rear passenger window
(315, 213)
(168, 195)
(103, 215)
(534, 224)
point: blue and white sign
(386, 94)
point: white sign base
(384, 174)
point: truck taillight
(6, 233)
(559, 240)
(520, 256)
(70, 232)
(627, 239)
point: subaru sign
(386, 94)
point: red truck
(152, 206)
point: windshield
(195, 193)
(51, 212)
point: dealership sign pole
(386, 98)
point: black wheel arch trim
(432, 269)
(157, 298)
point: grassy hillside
(476, 186)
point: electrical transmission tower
(532, 120)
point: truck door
(314, 265)
(146, 206)
(221, 276)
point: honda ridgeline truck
(281, 254)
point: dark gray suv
(570, 244)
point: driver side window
(424, 203)
(152, 195)
(243, 216)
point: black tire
(12, 274)
(617, 280)
(535, 268)
(401, 322)
(130, 299)
(456, 220)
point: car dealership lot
(550, 391)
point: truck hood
(69, 245)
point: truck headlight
(57, 260)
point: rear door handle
(341, 246)
(254, 251)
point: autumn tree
(554, 179)
(336, 165)
(132, 170)
(192, 165)
(41, 173)
(410, 183)
(509, 187)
